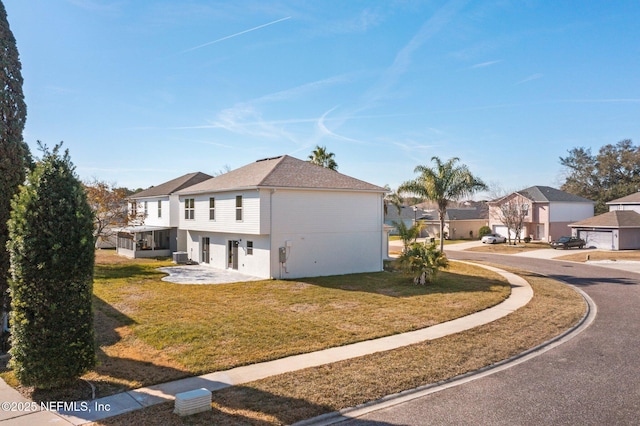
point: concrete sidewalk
(144, 397)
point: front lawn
(151, 331)
(295, 396)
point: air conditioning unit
(180, 257)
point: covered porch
(146, 241)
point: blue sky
(145, 91)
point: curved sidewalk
(521, 294)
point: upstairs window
(189, 208)
(146, 208)
(239, 207)
(159, 209)
(212, 208)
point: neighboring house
(155, 212)
(618, 229)
(630, 202)
(283, 217)
(407, 214)
(547, 211)
(458, 223)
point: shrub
(52, 258)
(484, 230)
(423, 262)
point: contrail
(237, 34)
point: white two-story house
(154, 218)
(284, 218)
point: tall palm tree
(321, 157)
(443, 183)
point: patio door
(206, 249)
(233, 254)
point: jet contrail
(237, 34)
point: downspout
(382, 232)
(271, 191)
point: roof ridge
(280, 160)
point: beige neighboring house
(548, 212)
(458, 223)
(618, 229)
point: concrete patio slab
(202, 274)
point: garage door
(597, 239)
(503, 230)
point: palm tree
(321, 157)
(393, 198)
(406, 233)
(443, 183)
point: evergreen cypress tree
(52, 258)
(14, 153)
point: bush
(423, 262)
(52, 258)
(485, 230)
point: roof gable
(173, 185)
(282, 172)
(614, 219)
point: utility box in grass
(192, 402)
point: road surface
(593, 379)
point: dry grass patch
(291, 397)
(603, 255)
(509, 249)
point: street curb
(411, 394)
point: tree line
(612, 173)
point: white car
(493, 239)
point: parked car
(493, 239)
(568, 242)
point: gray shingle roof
(614, 219)
(464, 214)
(172, 186)
(544, 194)
(281, 172)
(632, 198)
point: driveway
(202, 274)
(590, 380)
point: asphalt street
(593, 379)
